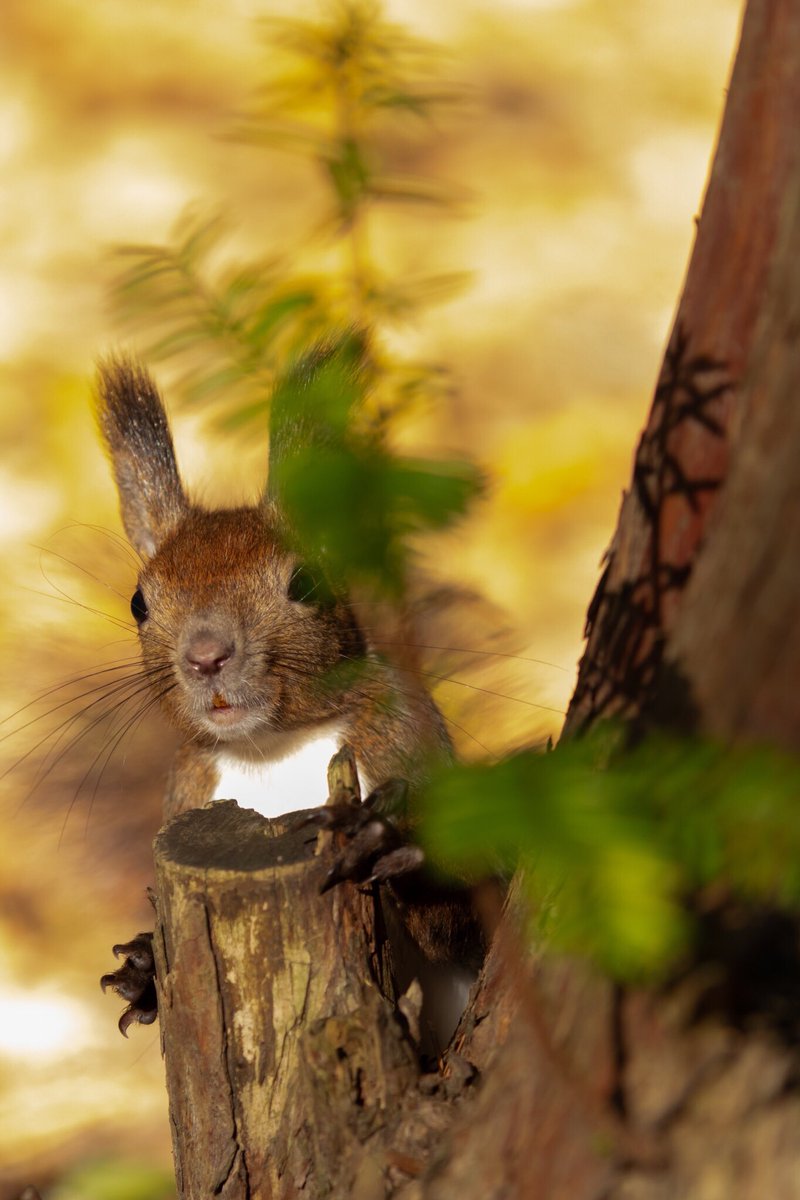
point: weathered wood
(270, 1018)
(683, 454)
(539, 1124)
(710, 1108)
(737, 639)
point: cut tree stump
(271, 1016)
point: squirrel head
(237, 634)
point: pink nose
(207, 655)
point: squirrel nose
(207, 654)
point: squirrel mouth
(229, 716)
(223, 713)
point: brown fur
(216, 583)
(228, 571)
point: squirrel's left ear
(134, 427)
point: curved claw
(134, 981)
(372, 845)
(338, 818)
(390, 798)
(126, 1020)
(127, 982)
(143, 1013)
(358, 856)
(138, 950)
(401, 861)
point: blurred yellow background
(579, 151)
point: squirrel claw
(401, 861)
(389, 798)
(372, 849)
(134, 981)
(135, 1014)
(138, 951)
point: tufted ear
(134, 427)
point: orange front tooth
(219, 701)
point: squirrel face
(232, 641)
(237, 636)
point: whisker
(103, 583)
(108, 669)
(471, 650)
(484, 691)
(263, 644)
(419, 671)
(407, 719)
(126, 728)
(59, 594)
(449, 721)
(48, 767)
(133, 685)
(113, 536)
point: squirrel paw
(371, 846)
(135, 981)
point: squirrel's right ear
(134, 426)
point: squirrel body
(266, 672)
(250, 660)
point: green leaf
(611, 841)
(352, 504)
(350, 175)
(274, 313)
(116, 1179)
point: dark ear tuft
(134, 427)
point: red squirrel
(239, 640)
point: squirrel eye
(139, 607)
(307, 587)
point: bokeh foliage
(114, 1179)
(338, 91)
(352, 504)
(615, 841)
(312, 345)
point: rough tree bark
(683, 455)
(269, 1015)
(291, 1071)
(563, 1086)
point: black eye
(139, 607)
(307, 587)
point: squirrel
(239, 642)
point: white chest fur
(288, 773)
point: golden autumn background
(575, 155)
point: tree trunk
(683, 455)
(658, 1094)
(737, 638)
(270, 1019)
(292, 1068)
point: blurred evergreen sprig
(612, 842)
(246, 332)
(338, 90)
(351, 504)
(231, 327)
(340, 79)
